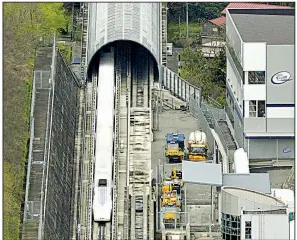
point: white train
(102, 197)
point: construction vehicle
(167, 185)
(171, 199)
(175, 147)
(197, 146)
(176, 174)
(171, 216)
(172, 184)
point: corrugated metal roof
(202, 173)
(250, 5)
(220, 21)
(259, 182)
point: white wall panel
(234, 83)
(254, 92)
(254, 56)
(246, 109)
(280, 112)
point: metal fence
(179, 222)
(48, 184)
(33, 207)
(178, 86)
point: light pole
(187, 20)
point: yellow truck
(175, 147)
(197, 146)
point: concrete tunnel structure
(138, 24)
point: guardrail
(179, 87)
(209, 118)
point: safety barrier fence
(179, 87)
(211, 117)
(36, 168)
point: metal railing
(179, 87)
(35, 210)
(215, 118)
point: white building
(260, 81)
(247, 214)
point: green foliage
(66, 51)
(13, 194)
(208, 74)
(197, 11)
(173, 33)
(24, 24)
(78, 33)
(33, 20)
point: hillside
(24, 24)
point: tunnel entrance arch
(134, 49)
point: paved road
(173, 121)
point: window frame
(254, 76)
(246, 228)
(256, 109)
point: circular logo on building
(281, 77)
(286, 150)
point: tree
(197, 11)
(208, 74)
(24, 24)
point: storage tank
(241, 162)
(198, 137)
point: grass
(173, 31)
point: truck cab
(175, 146)
(197, 152)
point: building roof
(220, 21)
(259, 182)
(254, 196)
(250, 5)
(273, 26)
(202, 173)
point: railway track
(131, 153)
(140, 146)
(99, 231)
(123, 76)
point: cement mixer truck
(197, 146)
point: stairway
(84, 40)
(231, 145)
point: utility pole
(179, 26)
(187, 20)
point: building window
(256, 77)
(234, 57)
(230, 227)
(256, 108)
(248, 230)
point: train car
(102, 197)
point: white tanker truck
(197, 146)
